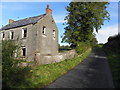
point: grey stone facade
(41, 36)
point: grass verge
(114, 62)
(45, 74)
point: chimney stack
(11, 21)
(48, 10)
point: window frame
(11, 35)
(44, 30)
(24, 34)
(54, 34)
(3, 35)
(24, 52)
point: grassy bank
(114, 62)
(112, 50)
(40, 76)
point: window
(11, 35)
(24, 32)
(23, 51)
(44, 30)
(54, 34)
(3, 35)
(52, 21)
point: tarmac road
(93, 72)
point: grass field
(40, 76)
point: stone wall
(48, 59)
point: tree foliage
(82, 19)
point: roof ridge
(23, 22)
(27, 18)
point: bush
(82, 47)
(113, 44)
(10, 67)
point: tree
(94, 41)
(82, 19)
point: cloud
(59, 18)
(60, 21)
(106, 32)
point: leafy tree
(94, 41)
(82, 19)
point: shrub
(113, 44)
(82, 47)
(10, 67)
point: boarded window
(44, 30)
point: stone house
(38, 34)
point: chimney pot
(48, 6)
(11, 21)
(48, 10)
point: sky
(21, 10)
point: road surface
(93, 72)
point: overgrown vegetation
(11, 72)
(36, 76)
(82, 47)
(112, 49)
(43, 75)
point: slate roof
(23, 22)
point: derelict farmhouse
(38, 34)
(39, 38)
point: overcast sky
(21, 10)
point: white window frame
(23, 30)
(3, 33)
(22, 53)
(11, 35)
(44, 30)
(22, 33)
(54, 34)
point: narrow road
(93, 72)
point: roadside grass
(114, 62)
(112, 50)
(42, 75)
